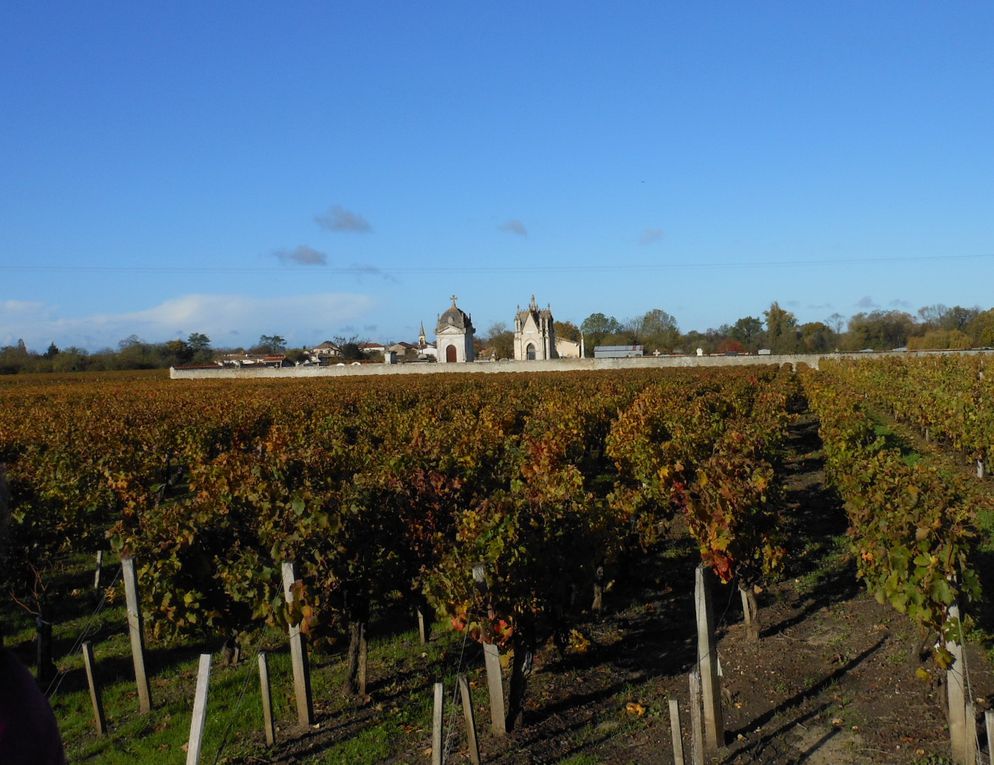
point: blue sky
(322, 169)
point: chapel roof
(535, 311)
(454, 317)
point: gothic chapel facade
(534, 334)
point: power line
(358, 270)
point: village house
(372, 347)
(324, 353)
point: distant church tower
(454, 335)
(422, 338)
(534, 334)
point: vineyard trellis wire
(56, 682)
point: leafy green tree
(271, 344)
(656, 330)
(817, 337)
(749, 331)
(177, 352)
(781, 329)
(958, 318)
(981, 329)
(71, 359)
(694, 339)
(135, 353)
(200, 347)
(880, 330)
(297, 355)
(939, 316)
(349, 348)
(596, 328)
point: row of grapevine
(949, 398)
(395, 491)
(911, 526)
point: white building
(454, 336)
(569, 349)
(534, 334)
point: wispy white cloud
(514, 226)
(866, 302)
(10, 308)
(222, 317)
(900, 303)
(340, 220)
(302, 255)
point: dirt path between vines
(831, 681)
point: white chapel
(534, 334)
(454, 335)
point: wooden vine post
(99, 721)
(436, 725)
(960, 727)
(199, 720)
(696, 726)
(470, 718)
(298, 657)
(491, 661)
(268, 724)
(136, 631)
(707, 660)
(422, 627)
(495, 687)
(676, 733)
(989, 725)
(96, 574)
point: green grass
(894, 440)
(401, 667)
(369, 746)
(985, 525)
(832, 555)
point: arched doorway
(450, 354)
(530, 352)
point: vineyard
(530, 513)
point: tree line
(777, 329)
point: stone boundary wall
(553, 365)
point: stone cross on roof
(453, 298)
